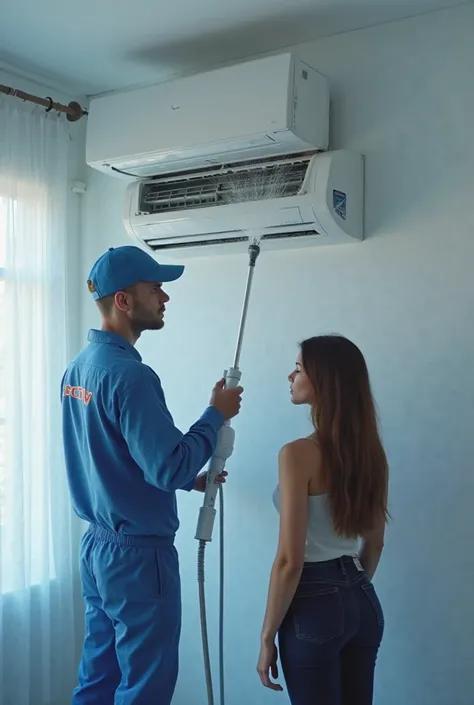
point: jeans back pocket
(318, 617)
(369, 591)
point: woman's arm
(371, 549)
(289, 559)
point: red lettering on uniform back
(77, 393)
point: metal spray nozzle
(254, 251)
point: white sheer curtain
(37, 546)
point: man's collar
(105, 336)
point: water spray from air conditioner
(249, 186)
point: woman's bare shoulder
(304, 452)
(304, 457)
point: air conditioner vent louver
(214, 189)
(238, 237)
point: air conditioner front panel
(207, 155)
(206, 221)
(237, 112)
(236, 107)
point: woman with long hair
(332, 499)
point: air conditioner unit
(292, 202)
(268, 107)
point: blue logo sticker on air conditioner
(339, 203)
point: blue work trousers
(131, 588)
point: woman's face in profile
(301, 389)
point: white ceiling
(110, 44)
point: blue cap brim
(169, 272)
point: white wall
(402, 95)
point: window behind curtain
(3, 234)
(25, 486)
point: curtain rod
(73, 111)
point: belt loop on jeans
(343, 567)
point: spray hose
(224, 449)
(203, 614)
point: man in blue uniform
(125, 460)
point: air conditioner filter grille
(244, 185)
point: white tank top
(322, 541)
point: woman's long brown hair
(354, 465)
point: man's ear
(123, 301)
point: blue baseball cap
(121, 267)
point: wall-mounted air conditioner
(273, 106)
(292, 202)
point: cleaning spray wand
(207, 513)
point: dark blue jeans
(330, 636)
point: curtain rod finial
(76, 111)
